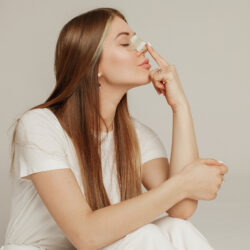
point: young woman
(79, 159)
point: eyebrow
(124, 33)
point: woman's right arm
(111, 223)
(87, 229)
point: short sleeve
(39, 144)
(150, 143)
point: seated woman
(79, 159)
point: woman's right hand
(203, 178)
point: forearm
(109, 224)
(184, 151)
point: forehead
(117, 26)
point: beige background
(208, 41)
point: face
(119, 63)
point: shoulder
(36, 124)
(143, 130)
(37, 116)
(39, 143)
(150, 143)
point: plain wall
(208, 41)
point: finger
(211, 161)
(222, 177)
(156, 56)
(157, 90)
(224, 169)
(152, 72)
(156, 79)
(158, 75)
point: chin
(144, 82)
(141, 80)
(148, 79)
(145, 79)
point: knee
(180, 222)
(150, 236)
(146, 230)
(181, 225)
(170, 223)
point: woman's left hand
(172, 88)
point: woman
(79, 159)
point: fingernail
(221, 161)
(149, 44)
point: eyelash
(127, 44)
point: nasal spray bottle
(137, 43)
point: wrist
(179, 183)
(180, 107)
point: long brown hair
(75, 102)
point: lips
(146, 61)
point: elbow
(83, 245)
(180, 216)
(86, 246)
(185, 215)
(86, 237)
(87, 242)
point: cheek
(122, 59)
(118, 58)
(121, 65)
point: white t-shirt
(42, 145)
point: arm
(184, 151)
(112, 223)
(88, 229)
(184, 147)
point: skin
(119, 69)
(120, 72)
(87, 229)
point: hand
(167, 73)
(202, 178)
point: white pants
(20, 247)
(165, 233)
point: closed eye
(127, 44)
